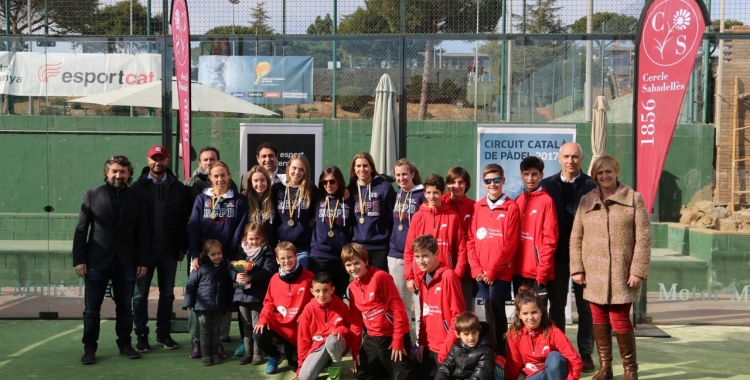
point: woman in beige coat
(610, 253)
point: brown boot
(603, 337)
(626, 342)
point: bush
(351, 99)
(367, 112)
(57, 101)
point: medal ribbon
(362, 199)
(291, 205)
(403, 206)
(214, 203)
(332, 218)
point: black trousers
(494, 313)
(265, 342)
(375, 359)
(336, 269)
(429, 367)
(558, 298)
(379, 259)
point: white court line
(3, 363)
(37, 344)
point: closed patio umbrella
(599, 130)
(384, 145)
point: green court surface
(52, 349)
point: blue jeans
(303, 257)
(163, 260)
(556, 368)
(123, 283)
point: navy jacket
(324, 246)
(228, 226)
(375, 233)
(209, 288)
(299, 234)
(566, 212)
(259, 277)
(407, 208)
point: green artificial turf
(52, 350)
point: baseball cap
(157, 149)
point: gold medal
(361, 220)
(402, 208)
(290, 222)
(400, 227)
(212, 215)
(330, 233)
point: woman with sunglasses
(333, 228)
(374, 200)
(492, 241)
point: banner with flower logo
(669, 36)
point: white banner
(65, 74)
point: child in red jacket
(442, 301)
(323, 331)
(534, 264)
(536, 346)
(288, 293)
(458, 180)
(376, 305)
(492, 243)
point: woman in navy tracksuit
(374, 200)
(333, 228)
(295, 207)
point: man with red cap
(168, 201)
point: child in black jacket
(472, 356)
(209, 292)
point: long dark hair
(370, 160)
(526, 294)
(337, 175)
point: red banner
(181, 50)
(669, 36)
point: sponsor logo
(48, 71)
(442, 226)
(272, 94)
(673, 27)
(468, 216)
(294, 95)
(437, 290)
(238, 94)
(255, 94)
(481, 233)
(337, 320)
(300, 290)
(372, 294)
(317, 338)
(282, 310)
(544, 349)
(500, 216)
(532, 212)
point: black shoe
(165, 340)
(130, 353)
(245, 359)
(226, 340)
(141, 343)
(89, 357)
(588, 364)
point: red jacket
(528, 351)
(317, 322)
(284, 302)
(464, 207)
(443, 224)
(493, 239)
(442, 301)
(536, 253)
(375, 303)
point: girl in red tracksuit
(536, 346)
(323, 331)
(288, 293)
(492, 242)
(442, 301)
(535, 260)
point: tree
(728, 23)
(541, 18)
(607, 22)
(115, 20)
(65, 17)
(367, 21)
(220, 46)
(259, 20)
(321, 26)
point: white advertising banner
(65, 74)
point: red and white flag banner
(669, 36)
(181, 50)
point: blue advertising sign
(508, 144)
(262, 80)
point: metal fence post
(402, 119)
(335, 60)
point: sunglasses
(328, 182)
(488, 181)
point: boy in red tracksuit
(492, 244)
(443, 224)
(442, 301)
(376, 305)
(534, 264)
(323, 331)
(288, 293)
(458, 180)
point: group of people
(424, 250)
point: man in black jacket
(168, 212)
(111, 242)
(566, 188)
